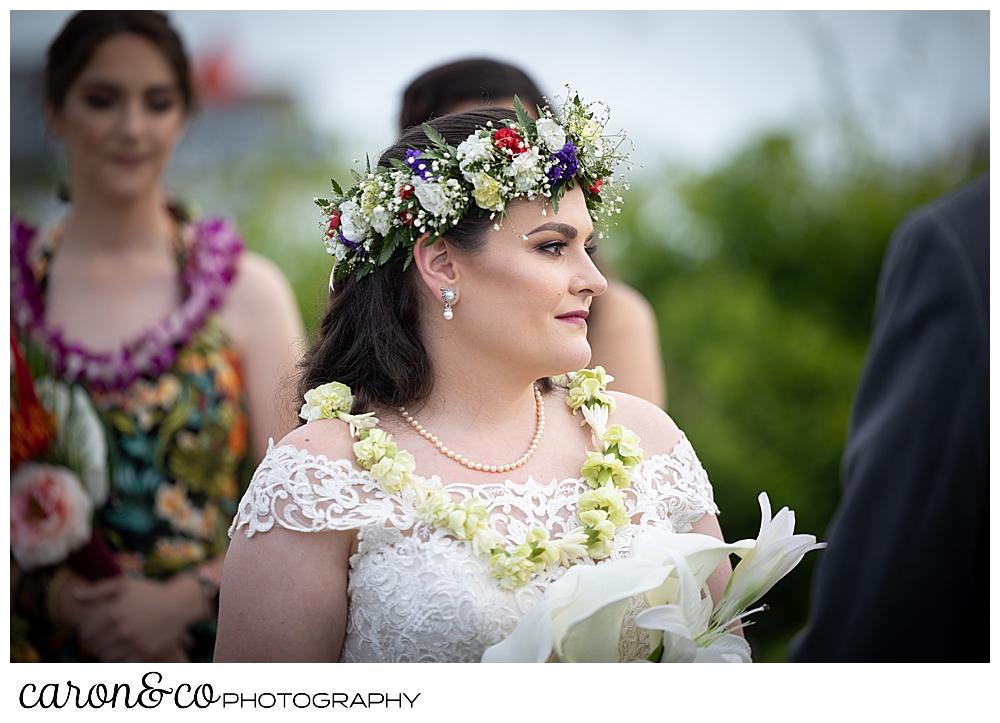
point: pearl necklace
(539, 428)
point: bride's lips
(575, 317)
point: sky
(689, 86)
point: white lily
(776, 552)
(683, 624)
(590, 601)
(580, 617)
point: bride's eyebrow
(564, 228)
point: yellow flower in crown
(486, 191)
(327, 401)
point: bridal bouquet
(580, 618)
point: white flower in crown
(474, 149)
(551, 133)
(338, 251)
(433, 196)
(382, 220)
(526, 170)
(353, 224)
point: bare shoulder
(657, 431)
(261, 315)
(259, 283)
(330, 438)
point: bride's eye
(555, 248)
(591, 249)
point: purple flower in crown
(355, 247)
(564, 164)
(418, 165)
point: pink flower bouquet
(50, 515)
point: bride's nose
(588, 281)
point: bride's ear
(437, 264)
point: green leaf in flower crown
(554, 200)
(390, 244)
(398, 165)
(409, 258)
(357, 176)
(522, 116)
(336, 187)
(436, 138)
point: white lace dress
(417, 595)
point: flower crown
(431, 190)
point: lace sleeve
(673, 485)
(310, 493)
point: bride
(446, 478)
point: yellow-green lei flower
(327, 401)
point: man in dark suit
(906, 574)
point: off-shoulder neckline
(436, 480)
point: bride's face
(525, 297)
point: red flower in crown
(334, 224)
(406, 191)
(508, 139)
(596, 188)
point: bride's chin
(576, 360)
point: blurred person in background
(913, 522)
(174, 338)
(622, 326)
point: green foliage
(763, 279)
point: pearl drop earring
(448, 296)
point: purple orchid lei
(206, 278)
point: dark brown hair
(72, 49)
(369, 336)
(440, 89)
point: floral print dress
(176, 425)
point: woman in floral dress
(180, 339)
